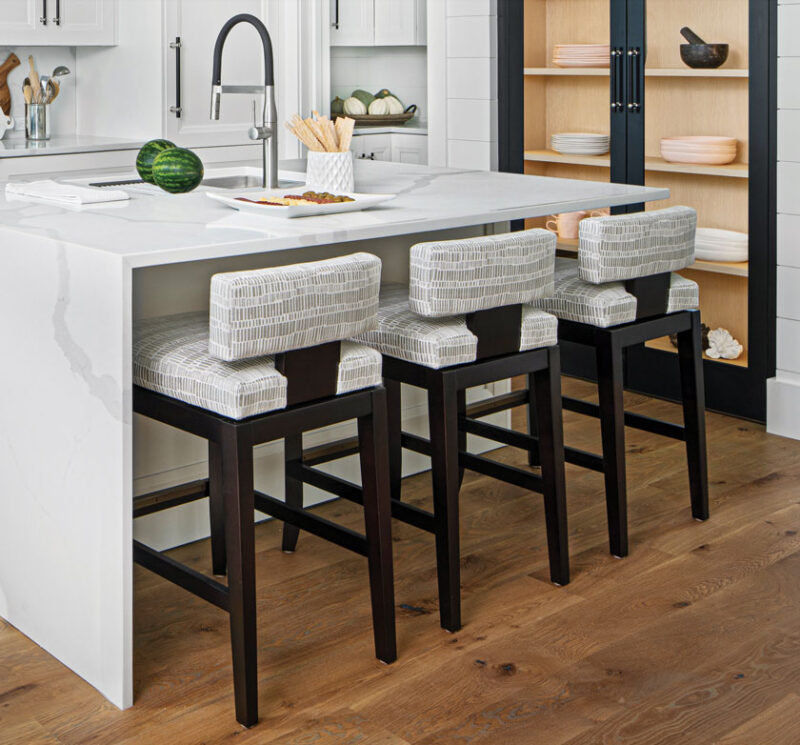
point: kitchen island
(74, 281)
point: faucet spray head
(216, 97)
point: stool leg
(216, 508)
(394, 412)
(461, 397)
(373, 440)
(443, 419)
(237, 464)
(533, 425)
(612, 426)
(690, 356)
(293, 490)
(551, 453)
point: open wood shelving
(666, 72)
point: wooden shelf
(736, 269)
(663, 72)
(665, 345)
(734, 170)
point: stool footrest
(198, 584)
(496, 404)
(331, 451)
(172, 496)
(635, 421)
(310, 523)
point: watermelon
(146, 156)
(177, 170)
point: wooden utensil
(52, 90)
(36, 85)
(5, 93)
(28, 93)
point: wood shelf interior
(679, 101)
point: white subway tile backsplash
(789, 31)
(788, 88)
(788, 241)
(472, 78)
(470, 119)
(788, 127)
(471, 7)
(788, 345)
(469, 154)
(788, 298)
(788, 197)
(472, 36)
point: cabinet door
(352, 23)
(21, 22)
(397, 22)
(82, 22)
(410, 149)
(372, 147)
(195, 24)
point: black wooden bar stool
(268, 362)
(465, 321)
(621, 292)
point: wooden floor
(693, 639)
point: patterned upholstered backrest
(463, 276)
(637, 245)
(267, 311)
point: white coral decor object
(721, 345)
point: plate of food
(298, 202)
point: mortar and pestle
(698, 54)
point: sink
(242, 181)
(247, 177)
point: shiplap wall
(783, 391)
(462, 83)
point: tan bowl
(699, 150)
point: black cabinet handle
(176, 45)
(335, 23)
(634, 84)
(617, 69)
(57, 19)
(43, 19)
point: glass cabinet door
(693, 102)
(566, 58)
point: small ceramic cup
(566, 224)
(6, 123)
(332, 172)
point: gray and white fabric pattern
(609, 304)
(170, 356)
(442, 342)
(449, 278)
(266, 311)
(623, 247)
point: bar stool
(620, 292)
(465, 321)
(269, 362)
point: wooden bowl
(704, 56)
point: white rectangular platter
(360, 202)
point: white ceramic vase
(332, 172)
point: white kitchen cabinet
(399, 22)
(410, 149)
(191, 31)
(352, 23)
(66, 23)
(366, 23)
(372, 147)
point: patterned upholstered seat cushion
(266, 311)
(449, 278)
(442, 342)
(608, 304)
(638, 245)
(170, 356)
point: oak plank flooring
(694, 638)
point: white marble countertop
(155, 228)
(17, 146)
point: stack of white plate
(712, 151)
(581, 55)
(713, 244)
(580, 143)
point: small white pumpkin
(379, 107)
(354, 106)
(395, 107)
